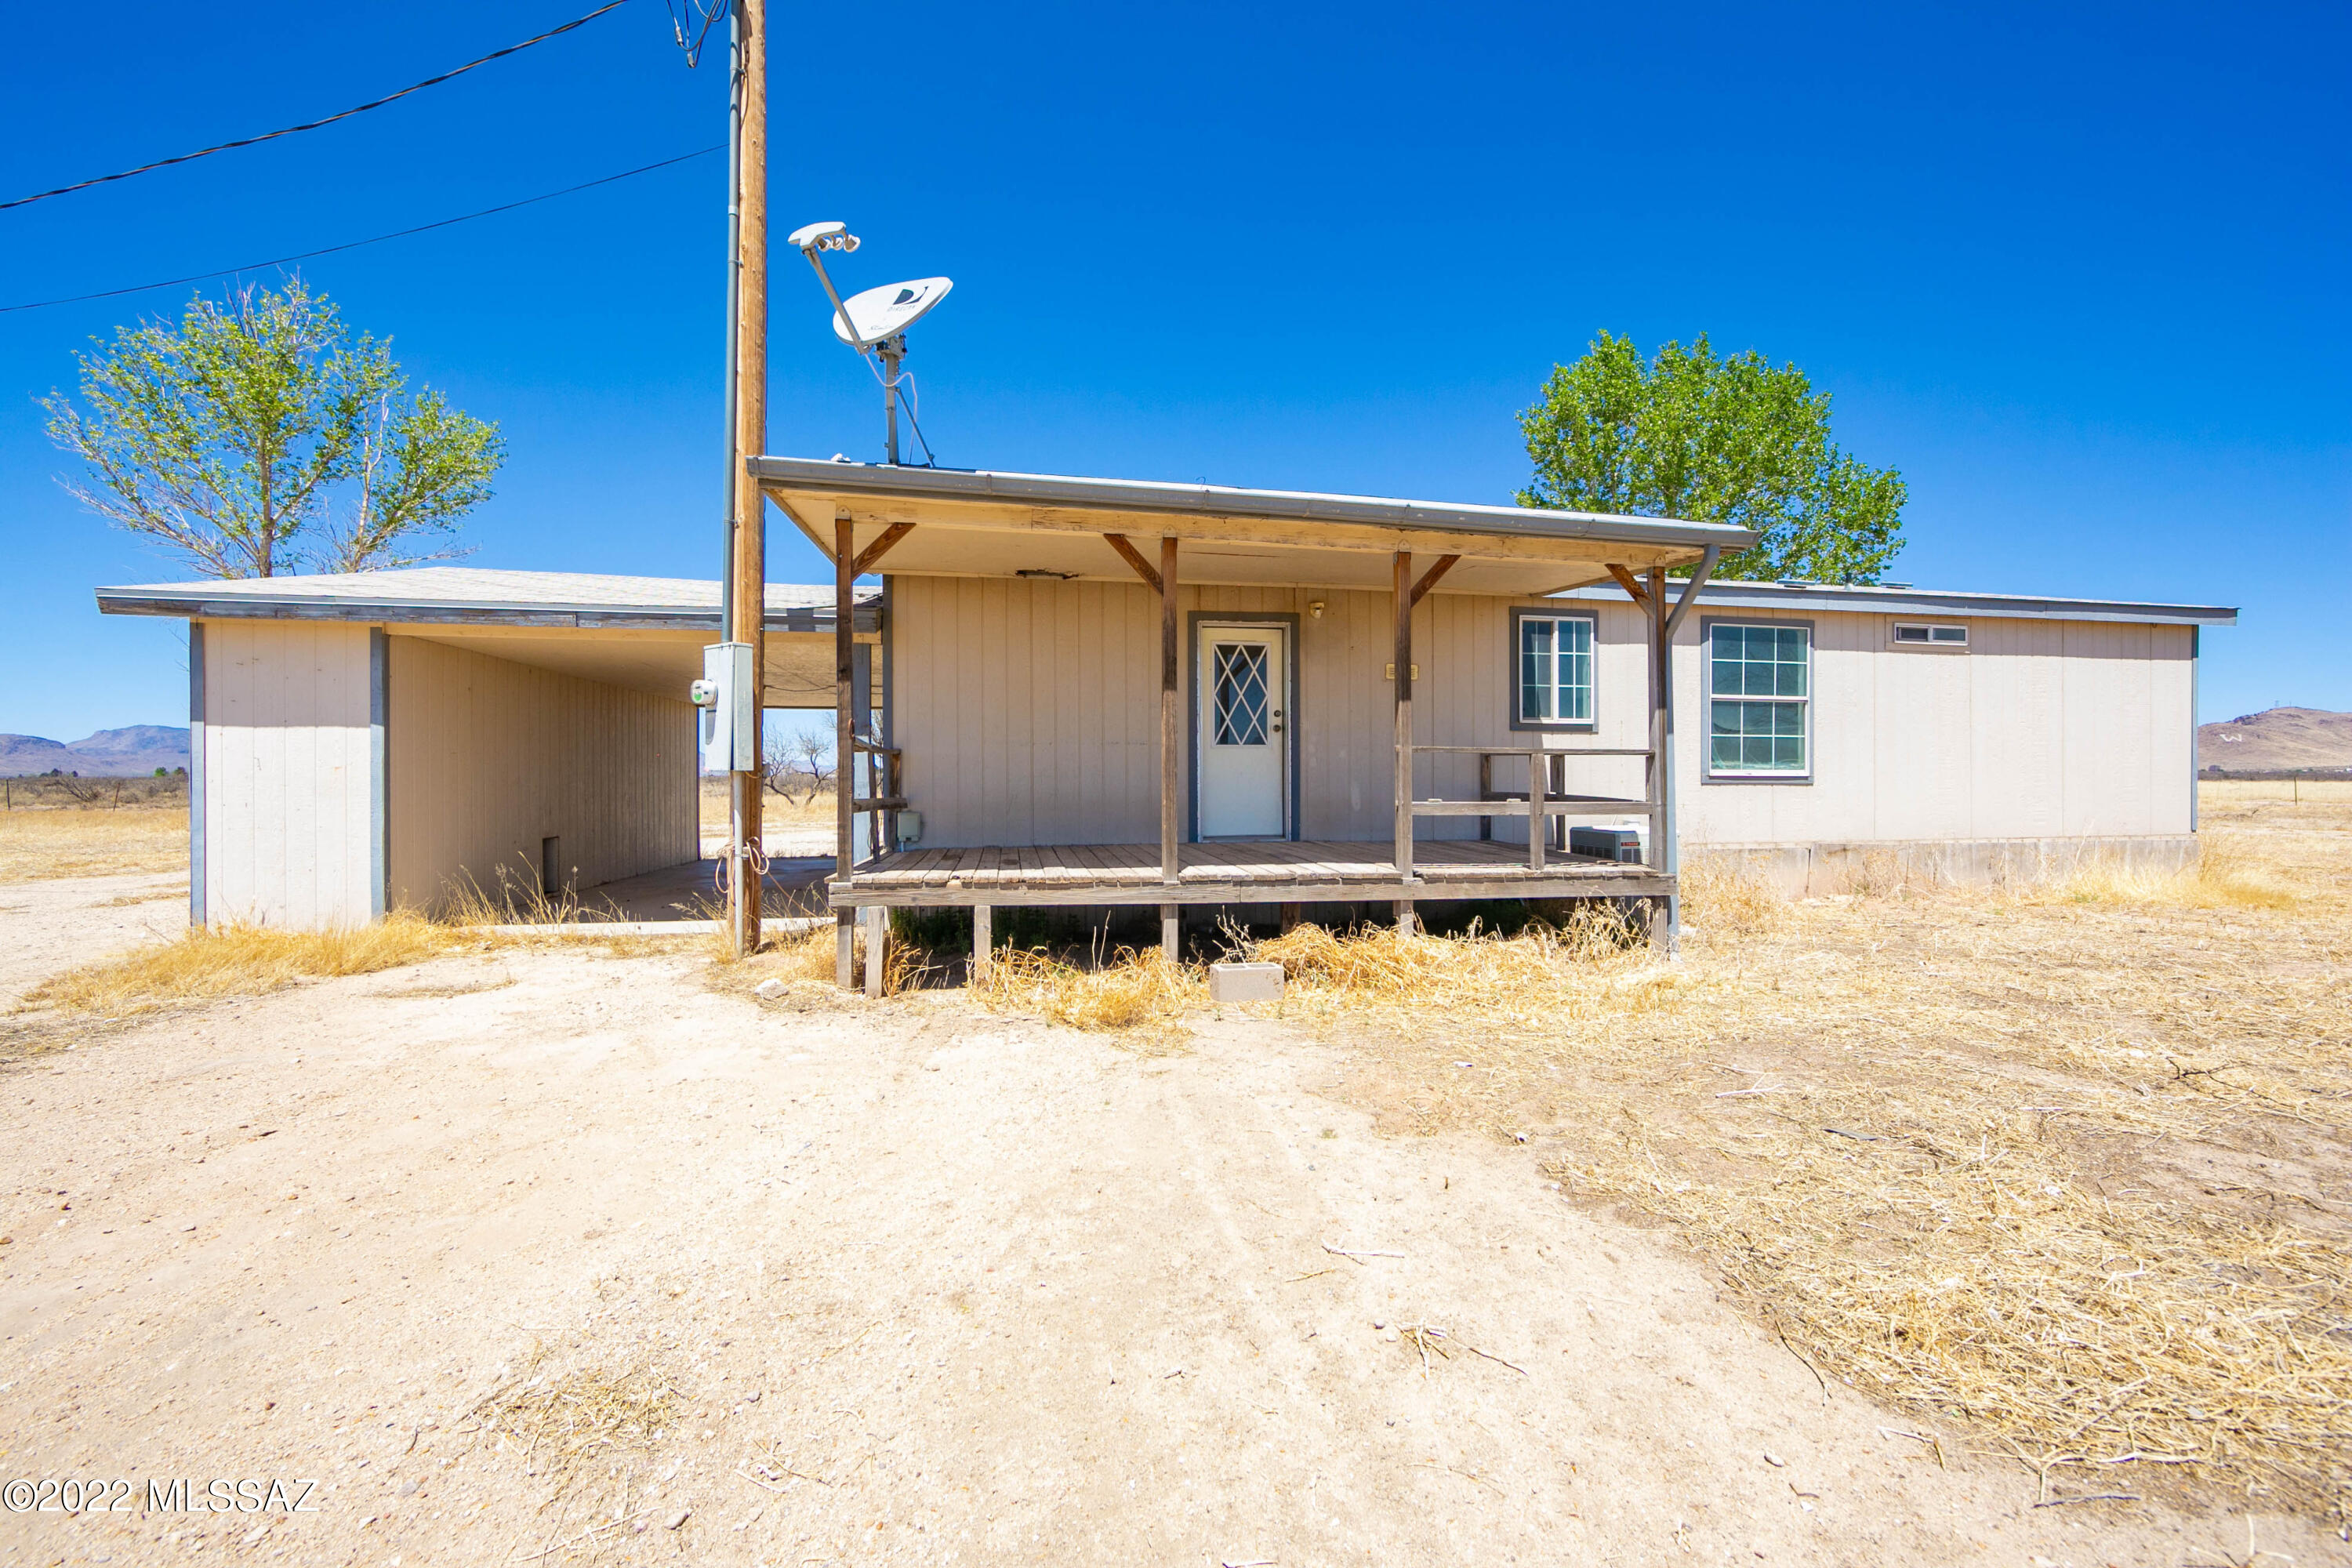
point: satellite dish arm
(847, 326)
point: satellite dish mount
(876, 321)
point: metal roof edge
(424, 612)
(1225, 501)
(1873, 599)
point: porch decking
(1291, 872)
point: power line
(313, 125)
(354, 245)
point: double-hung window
(1760, 697)
(1555, 669)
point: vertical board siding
(489, 757)
(1028, 710)
(2042, 729)
(1028, 714)
(287, 803)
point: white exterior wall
(289, 811)
(1029, 712)
(2040, 728)
(488, 757)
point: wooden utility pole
(748, 566)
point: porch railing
(1546, 799)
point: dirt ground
(549, 1256)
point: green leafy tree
(1691, 435)
(257, 436)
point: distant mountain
(111, 753)
(2277, 737)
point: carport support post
(844, 748)
(746, 567)
(1405, 735)
(1170, 682)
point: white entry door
(1243, 687)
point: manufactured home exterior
(380, 740)
(2025, 728)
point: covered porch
(1384, 556)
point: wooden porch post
(877, 940)
(844, 745)
(1170, 682)
(1660, 849)
(1404, 732)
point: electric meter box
(727, 696)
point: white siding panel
(2017, 670)
(1029, 712)
(2172, 730)
(1924, 717)
(488, 757)
(287, 814)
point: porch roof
(987, 524)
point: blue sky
(2079, 273)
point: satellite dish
(880, 314)
(876, 321)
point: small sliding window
(1923, 635)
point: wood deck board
(1265, 871)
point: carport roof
(473, 595)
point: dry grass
(2067, 1167)
(2228, 874)
(563, 1423)
(519, 900)
(804, 964)
(238, 960)
(1141, 996)
(2227, 792)
(92, 841)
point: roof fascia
(1929, 601)
(785, 477)
(867, 617)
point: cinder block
(1245, 982)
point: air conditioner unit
(1609, 843)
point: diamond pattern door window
(1240, 686)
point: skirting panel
(1814, 870)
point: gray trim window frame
(1931, 643)
(196, 774)
(1707, 774)
(1193, 621)
(1520, 612)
